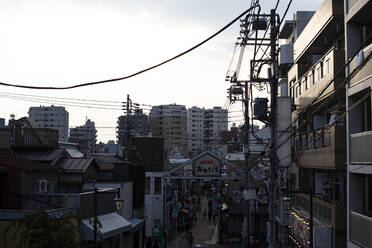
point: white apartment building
(215, 121)
(170, 122)
(55, 117)
(195, 129)
(85, 135)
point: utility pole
(128, 127)
(246, 167)
(273, 121)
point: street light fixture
(287, 203)
(118, 203)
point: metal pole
(164, 213)
(273, 157)
(95, 217)
(311, 241)
(246, 230)
(127, 141)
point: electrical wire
(134, 74)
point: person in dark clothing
(190, 239)
(209, 215)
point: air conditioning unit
(41, 186)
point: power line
(134, 74)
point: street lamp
(118, 203)
(287, 203)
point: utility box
(260, 108)
(286, 54)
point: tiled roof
(75, 165)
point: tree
(41, 230)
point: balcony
(325, 212)
(358, 11)
(360, 148)
(360, 229)
(366, 71)
(315, 79)
(323, 150)
(328, 22)
(31, 137)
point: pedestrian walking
(205, 213)
(190, 239)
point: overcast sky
(65, 42)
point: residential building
(317, 92)
(215, 121)
(170, 122)
(152, 152)
(85, 136)
(110, 148)
(138, 126)
(55, 117)
(2, 122)
(195, 130)
(358, 44)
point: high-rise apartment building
(85, 136)
(195, 129)
(215, 121)
(138, 126)
(170, 122)
(55, 117)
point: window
(313, 76)
(318, 74)
(157, 187)
(306, 87)
(147, 185)
(366, 114)
(321, 69)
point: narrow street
(205, 233)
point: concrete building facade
(195, 129)
(317, 93)
(215, 121)
(55, 117)
(138, 123)
(85, 135)
(170, 122)
(358, 44)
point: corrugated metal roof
(75, 165)
(107, 161)
(16, 214)
(52, 156)
(25, 164)
(112, 225)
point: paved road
(205, 234)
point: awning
(112, 225)
(136, 224)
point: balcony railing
(325, 212)
(360, 145)
(360, 229)
(321, 148)
(31, 136)
(366, 71)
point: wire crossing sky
(54, 42)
